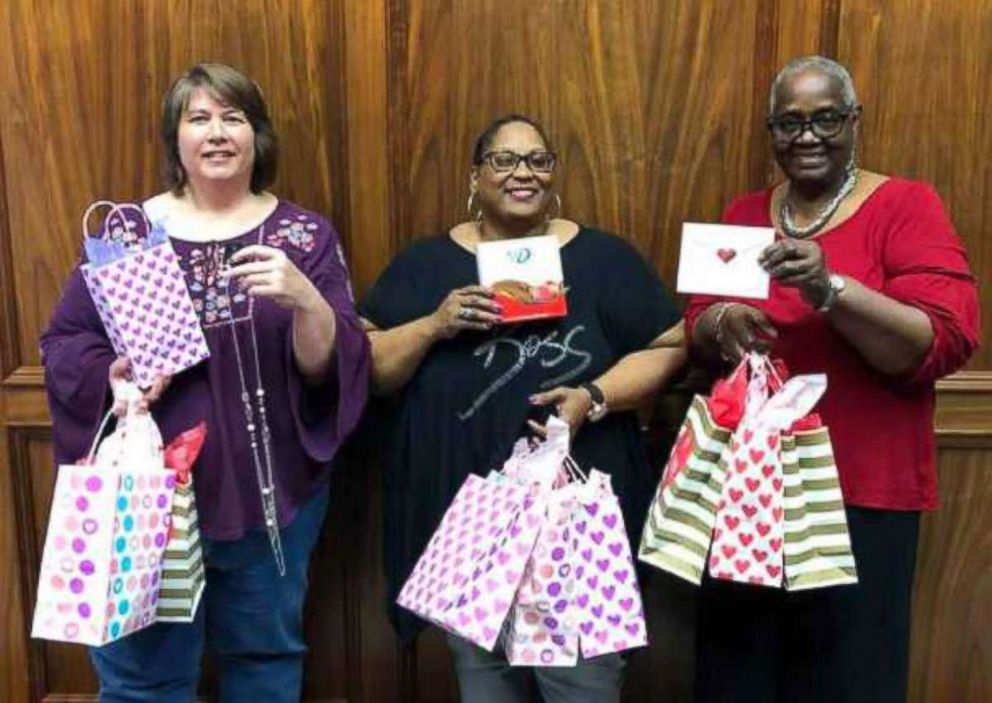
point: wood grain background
(656, 109)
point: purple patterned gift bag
(607, 593)
(543, 629)
(480, 606)
(477, 521)
(107, 532)
(141, 296)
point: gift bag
(607, 594)
(750, 535)
(107, 531)
(467, 578)
(543, 627)
(140, 293)
(475, 524)
(680, 521)
(478, 608)
(183, 578)
(817, 542)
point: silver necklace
(795, 231)
(256, 421)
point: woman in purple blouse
(284, 385)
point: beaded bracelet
(718, 321)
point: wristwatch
(599, 409)
(835, 286)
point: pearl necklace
(263, 476)
(795, 231)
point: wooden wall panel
(922, 69)
(657, 111)
(952, 640)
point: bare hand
(742, 329)
(266, 272)
(571, 405)
(798, 263)
(468, 308)
(120, 370)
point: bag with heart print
(680, 521)
(140, 294)
(766, 530)
(467, 578)
(580, 591)
(607, 592)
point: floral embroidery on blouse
(297, 231)
(212, 299)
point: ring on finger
(466, 313)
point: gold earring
(468, 207)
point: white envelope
(723, 260)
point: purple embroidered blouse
(308, 422)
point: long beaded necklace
(256, 422)
(795, 231)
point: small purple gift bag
(479, 518)
(612, 617)
(140, 293)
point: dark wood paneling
(952, 640)
(922, 69)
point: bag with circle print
(107, 532)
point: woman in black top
(467, 387)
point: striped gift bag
(182, 564)
(182, 576)
(817, 542)
(680, 521)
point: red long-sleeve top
(900, 242)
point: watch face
(597, 412)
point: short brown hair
(235, 89)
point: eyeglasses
(507, 161)
(825, 125)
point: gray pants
(485, 677)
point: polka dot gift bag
(107, 532)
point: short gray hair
(826, 66)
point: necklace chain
(793, 230)
(256, 421)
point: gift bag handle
(91, 456)
(115, 208)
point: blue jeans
(249, 617)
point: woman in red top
(871, 286)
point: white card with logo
(723, 260)
(525, 275)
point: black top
(468, 400)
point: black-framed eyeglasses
(825, 124)
(507, 161)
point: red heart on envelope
(726, 254)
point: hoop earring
(468, 207)
(557, 207)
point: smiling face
(520, 196)
(216, 141)
(807, 157)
